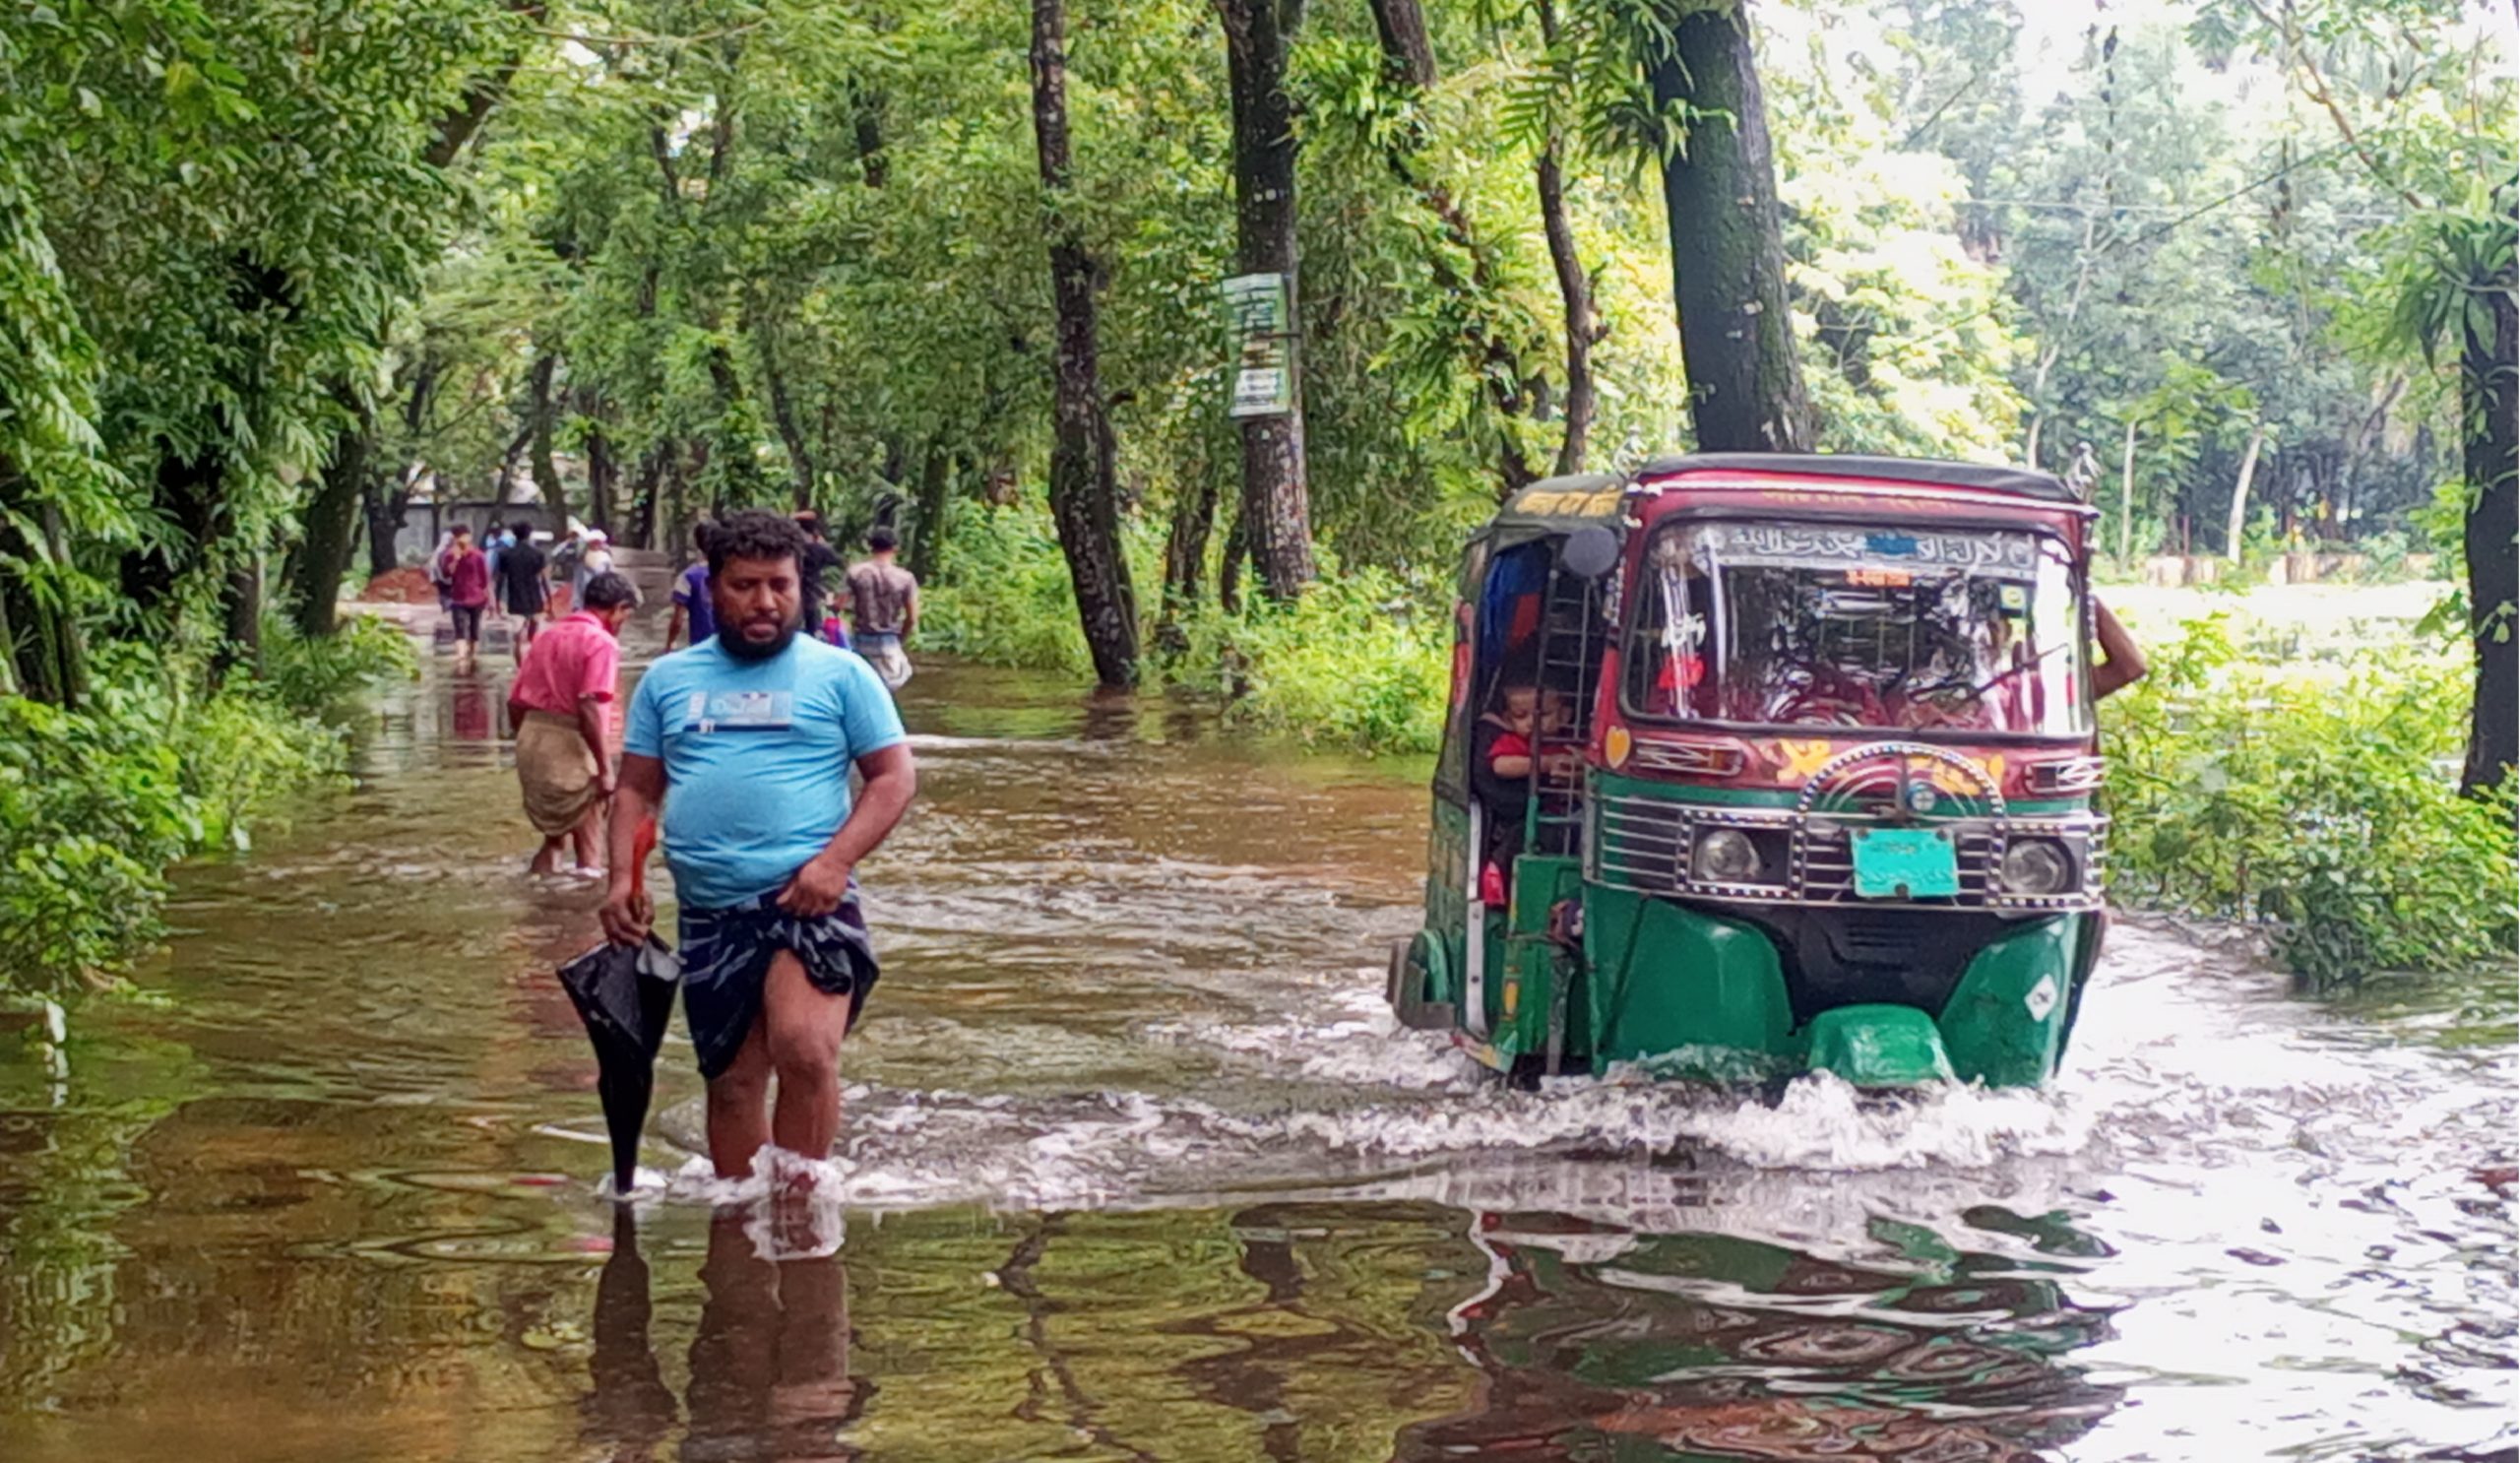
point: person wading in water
(746, 742)
(523, 584)
(561, 707)
(820, 560)
(883, 607)
(467, 594)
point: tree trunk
(866, 123)
(386, 506)
(547, 410)
(1727, 258)
(1583, 331)
(1084, 492)
(1408, 55)
(1238, 548)
(801, 467)
(603, 472)
(332, 531)
(1277, 509)
(927, 516)
(1575, 287)
(1185, 550)
(2240, 491)
(242, 601)
(2126, 503)
(2489, 380)
(1496, 362)
(641, 517)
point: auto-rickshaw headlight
(2036, 866)
(1725, 856)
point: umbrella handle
(641, 846)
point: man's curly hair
(752, 534)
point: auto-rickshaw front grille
(1644, 845)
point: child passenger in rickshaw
(1504, 750)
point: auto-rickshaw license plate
(1905, 864)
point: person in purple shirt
(691, 595)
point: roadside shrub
(1357, 662)
(243, 753)
(96, 804)
(2318, 801)
(93, 808)
(316, 674)
(1006, 600)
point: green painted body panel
(1877, 1045)
(1687, 993)
(1523, 999)
(2005, 1022)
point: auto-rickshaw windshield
(1918, 629)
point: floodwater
(1136, 1168)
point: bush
(92, 809)
(2318, 801)
(1357, 662)
(96, 804)
(1005, 598)
(318, 675)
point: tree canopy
(267, 270)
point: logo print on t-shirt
(750, 711)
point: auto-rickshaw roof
(1554, 507)
(2045, 488)
(1559, 504)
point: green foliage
(243, 753)
(94, 805)
(92, 809)
(1007, 600)
(2314, 801)
(316, 674)
(1359, 661)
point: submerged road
(1136, 1168)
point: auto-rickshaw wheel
(1404, 985)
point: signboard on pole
(1264, 378)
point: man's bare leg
(805, 1029)
(739, 1106)
(587, 839)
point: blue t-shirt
(757, 756)
(691, 592)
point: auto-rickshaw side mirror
(1590, 552)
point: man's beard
(742, 649)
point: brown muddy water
(1136, 1168)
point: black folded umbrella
(624, 994)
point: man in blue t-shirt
(746, 740)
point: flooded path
(1137, 1168)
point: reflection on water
(1710, 1345)
(1140, 1171)
(769, 1362)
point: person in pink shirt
(467, 594)
(560, 705)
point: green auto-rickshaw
(1763, 764)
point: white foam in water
(1361, 1044)
(647, 1186)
